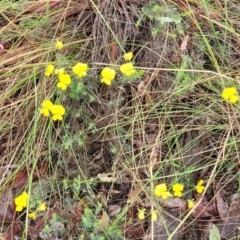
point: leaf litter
(184, 134)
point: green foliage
(159, 15)
(133, 77)
(78, 90)
(92, 226)
(185, 80)
(55, 228)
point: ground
(147, 150)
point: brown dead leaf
(114, 210)
(77, 212)
(6, 213)
(141, 88)
(105, 178)
(166, 224)
(133, 196)
(201, 211)
(176, 204)
(20, 179)
(229, 227)
(222, 207)
(104, 220)
(154, 155)
(113, 52)
(184, 43)
(134, 232)
(212, 207)
(15, 229)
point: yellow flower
(106, 81)
(64, 80)
(62, 85)
(166, 195)
(32, 215)
(141, 213)
(230, 94)
(177, 189)
(190, 204)
(80, 69)
(49, 70)
(127, 69)
(59, 45)
(128, 56)
(153, 215)
(108, 74)
(199, 187)
(64, 77)
(42, 207)
(59, 70)
(160, 190)
(46, 107)
(58, 111)
(21, 201)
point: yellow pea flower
(80, 69)
(62, 85)
(166, 195)
(230, 94)
(46, 107)
(59, 45)
(107, 81)
(21, 201)
(108, 73)
(190, 204)
(49, 70)
(64, 77)
(160, 190)
(177, 189)
(42, 207)
(127, 69)
(64, 80)
(128, 56)
(141, 213)
(32, 215)
(199, 187)
(58, 111)
(153, 215)
(59, 70)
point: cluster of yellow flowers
(161, 190)
(21, 203)
(64, 80)
(230, 94)
(141, 214)
(56, 110)
(108, 74)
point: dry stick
(152, 155)
(208, 183)
(171, 70)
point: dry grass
(169, 125)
